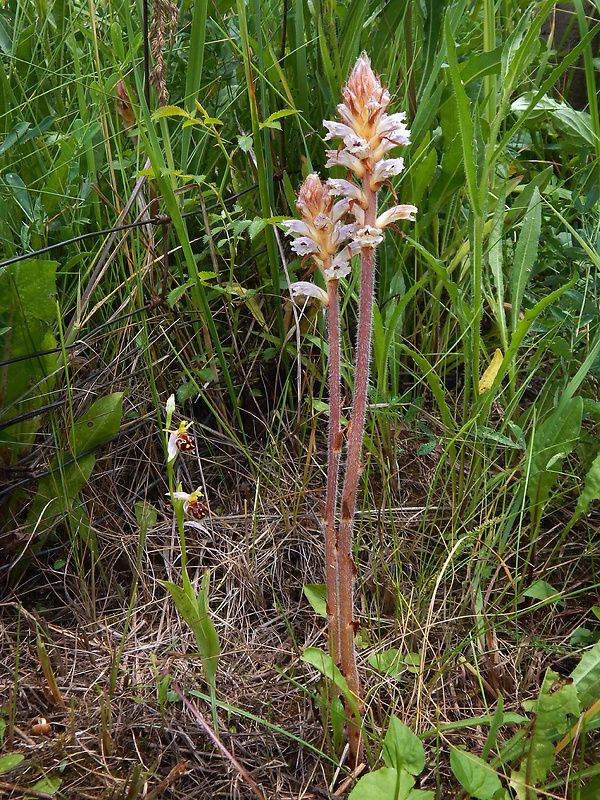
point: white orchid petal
(304, 246)
(336, 130)
(386, 170)
(345, 159)
(357, 146)
(395, 213)
(172, 448)
(296, 226)
(347, 189)
(308, 289)
(339, 209)
(359, 215)
(368, 236)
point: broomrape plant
(325, 234)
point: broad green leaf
(402, 749)
(58, 491)
(586, 676)
(28, 314)
(47, 784)
(99, 424)
(171, 111)
(525, 254)
(591, 490)
(474, 775)
(389, 662)
(316, 594)
(554, 438)
(557, 700)
(574, 123)
(542, 590)
(245, 143)
(388, 784)
(10, 761)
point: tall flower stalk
(367, 133)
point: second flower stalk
(322, 233)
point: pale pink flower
(308, 289)
(320, 231)
(348, 189)
(368, 236)
(340, 265)
(395, 213)
(384, 170)
(367, 131)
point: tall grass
(503, 256)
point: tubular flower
(320, 232)
(394, 213)
(307, 289)
(192, 503)
(367, 132)
(180, 440)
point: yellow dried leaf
(488, 377)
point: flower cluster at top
(367, 132)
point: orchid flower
(180, 440)
(193, 506)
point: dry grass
(113, 738)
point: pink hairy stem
(346, 566)
(335, 446)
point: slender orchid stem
(346, 566)
(335, 447)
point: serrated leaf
(490, 435)
(474, 775)
(245, 143)
(178, 292)
(256, 226)
(402, 749)
(316, 594)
